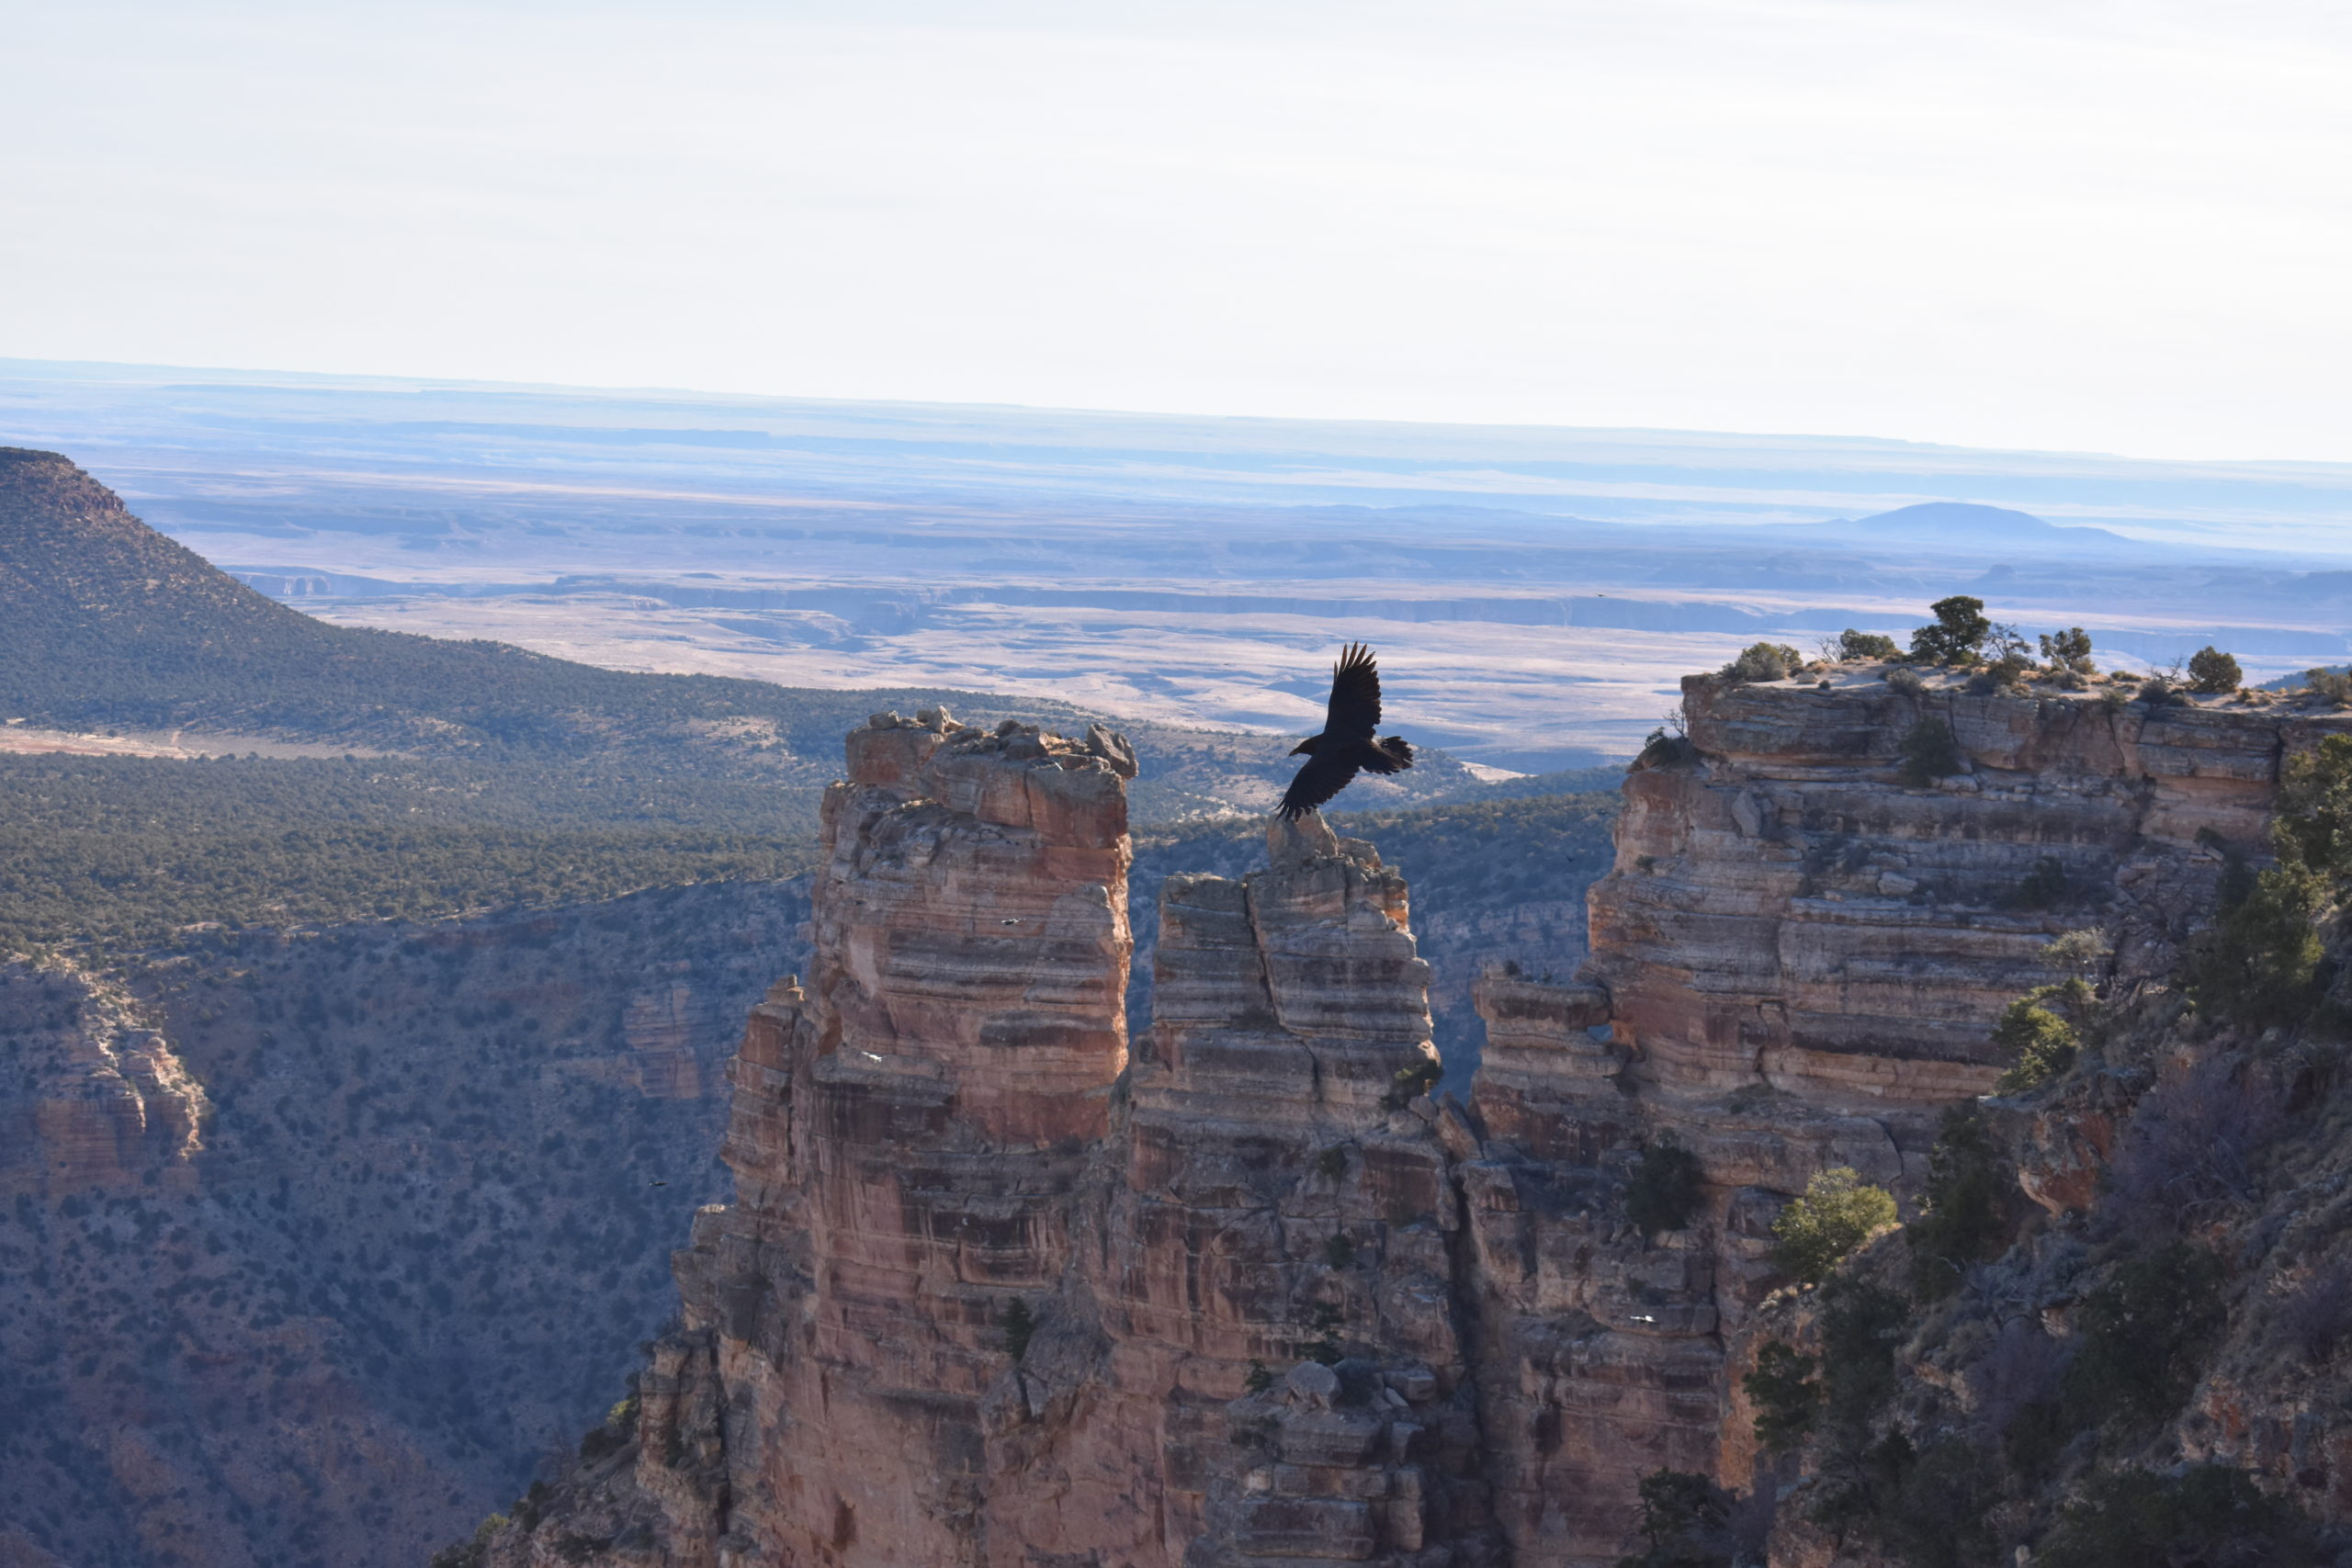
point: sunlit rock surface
(988, 1298)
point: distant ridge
(1969, 522)
(106, 623)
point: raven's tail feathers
(1388, 755)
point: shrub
(2329, 686)
(2210, 670)
(1018, 1325)
(1852, 644)
(2159, 693)
(2069, 651)
(2076, 954)
(1682, 1520)
(1968, 1202)
(1259, 1379)
(1332, 1162)
(1957, 634)
(1930, 751)
(2041, 888)
(1839, 1212)
(2194, 1143)
(1339, 1250)
(1906, 681)
(1862, 1323)
(2005, 673)
(2208, 1514)
(2261, 963)
(2144, 1332)
(1764, 661)
(2039, 1043)
(1933, 1506)
(1413, 1082)
(1664, 1190)
(2313, 827)
(1785, 1394)
(2315, 1319)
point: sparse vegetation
(2039, 1045)
(2206, 1516)
(1682, 1522)
(1839, 1212)
(2069, 652)
(2265, 959)
(2042, 887)
(2212, 672)
(127, 849)
(1020, 1324)
(2329, 686)
(1852, 644)
(1958, 634)
(1968, 1209)
(1786, 1394)
(1764, 661)
(1663, 1192)
(1929, 752)
(2144, 1332)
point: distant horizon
(263, 375)
(1989, 223)
(787, 444)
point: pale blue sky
(2122, 227)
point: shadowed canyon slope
(986, 1296)
(314, 1240)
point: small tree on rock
(1839, 1212)
(2213, 672)
(2069, 651)
(1930, 751)
(1958, 636)
(1764, 661)
(1852, 644)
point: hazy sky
(2043, 223)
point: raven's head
(1306, 748)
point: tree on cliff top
(2212, 672)
(1958, 636)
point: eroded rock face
(1787, 909)
(92, 1096)
(970, 1310)
(986, 1299)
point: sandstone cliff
(1255, 1298)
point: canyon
(316, 1239)
(1004, 1283)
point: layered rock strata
(987, 1299)
(974, 1306)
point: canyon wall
(988, 1296)
(316, 1240)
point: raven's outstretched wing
(1354, 711)
(1322, 778)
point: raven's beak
(1299, 749)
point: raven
(1346, 743)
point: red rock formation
(962, 1313)
(984, 1300)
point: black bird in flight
(1346, 743)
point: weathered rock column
(907, 1132)
(1281, 1206)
